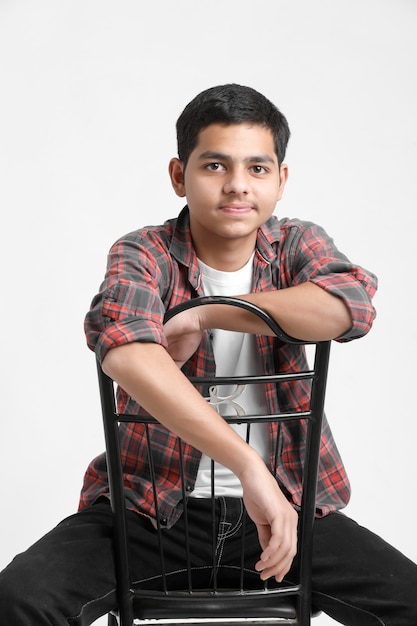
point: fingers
(277, 558)
(277, 565)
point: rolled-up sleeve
(317, 260)
(128, 306)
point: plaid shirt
(155, 268)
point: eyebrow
(220, 156)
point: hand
(275, 519)
(184, 332)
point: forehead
(235, 141)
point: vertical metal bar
(185, 514)
(157, 514)
(213, 526)
(243, 529)
(116, 487)
(308, 504)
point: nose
(236, 182)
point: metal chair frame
(286, 604)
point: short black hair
(230, 104)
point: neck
(225, 258)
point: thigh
(68, 576)
(65, 577)
(360, 579)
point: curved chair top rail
(242, 304)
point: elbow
(117, 360)
(362, 319)
(109, 364)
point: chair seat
(227, 604)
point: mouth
(236, 209)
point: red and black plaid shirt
(155, 268)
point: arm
(305, 312)
(147, 373)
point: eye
(214, 167)
(258, 169)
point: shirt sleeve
(128, 306)
(316, 259)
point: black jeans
(68, 576)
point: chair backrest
(282, 604)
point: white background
(90, 92)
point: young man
(231, 146)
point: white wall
(90, 94)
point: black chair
(287, 603)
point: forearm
(149, 375)
(305, 312)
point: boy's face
(232, 183)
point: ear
(176, 174)
(283, 177)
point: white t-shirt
(235, 354)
